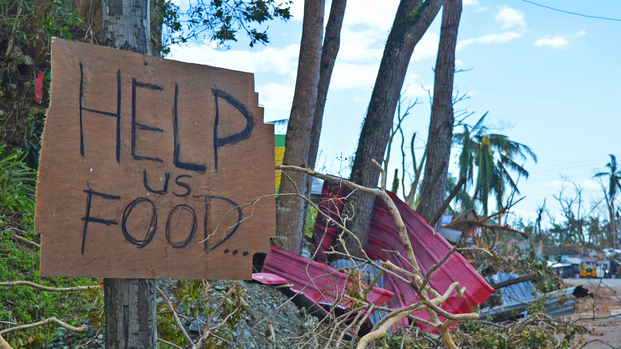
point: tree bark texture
(130, 313)
(129, 304)
(126, 25)
(290, 219)
(440, 135)
(331, 45)
(156, 20)
(411, 22)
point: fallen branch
(596, 340)
(208, 331)
(517, 280)
(44, 322)
(169, 343)
(47, 288)
(447, 201)
(20, 238)
(24, 240)
(420, 285)
(175, 316)
(4, 344)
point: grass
(23, 305)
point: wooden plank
(142, 159)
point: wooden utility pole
(130, 314)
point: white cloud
(475, 3)
(361, 45)
(427, 47)
(275, 96)
(297, 10)
(378, 15)
(271, 59)
(490, 39)
(417, 90)
(510, 17)
(554, 42)
(557, 41)
(349, 76)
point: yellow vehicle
(588, 268)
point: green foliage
(59, 20)
(614, 178)
(400, 340)
(17, 185)
(199, 298)
(219, 21)
(26, 28)
(17, 17)
(524, 335)
(310, 221)
(546, 280)
(23, 305)
(492, 155)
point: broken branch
(44, 322)
(47, 288)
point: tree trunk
(411, 22)
(126, 25)
(290, 219)
(331, 45)
(155, 12)
(613, 231)
(130, 314)
(440, 135)
(131, 320)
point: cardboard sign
(148, 166)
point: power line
(598, 160)
(560, 169)
(572, 13)
(559, 177)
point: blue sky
(549, 80)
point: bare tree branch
(53, 319)
(47, 288)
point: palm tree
(493, 155)
(614, 186)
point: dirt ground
(601, 314)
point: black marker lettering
(178, 163)
(139, 126)
(183, 184)
(206, 230)
(238, 137)
(116, 115)
(160, 192)
(87, 218)
(150, 230)
(185, 242)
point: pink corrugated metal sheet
(269, 279)
(429, 247)
(317, 281)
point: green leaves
(197, 301)
(17, 185)
(491, 156)
(614, 178)
(219, 21)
